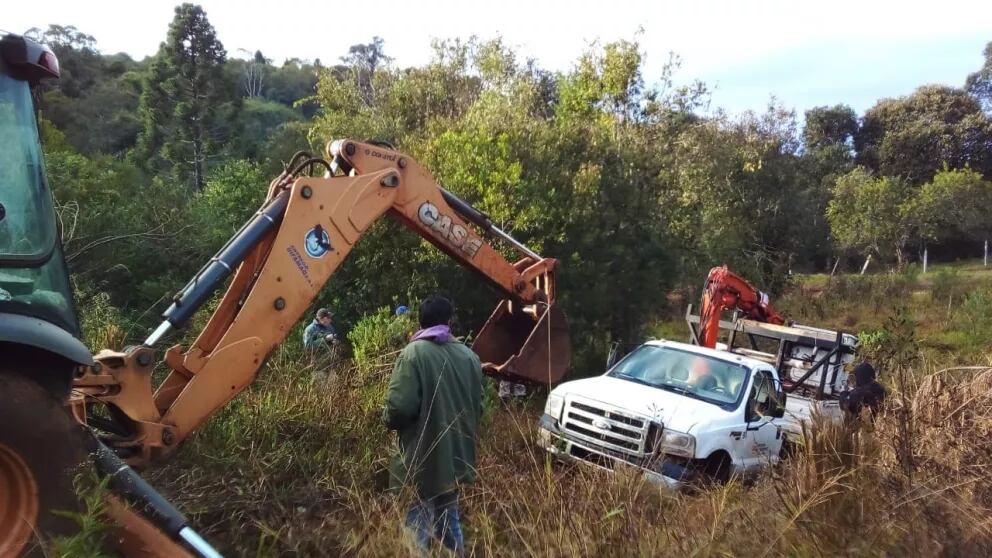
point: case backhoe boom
(280, 261)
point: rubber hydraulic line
(127, 483)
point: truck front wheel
(717, 467)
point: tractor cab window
(27, 219)
(33, 277)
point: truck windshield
(27, 221)
(701, 377)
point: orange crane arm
(283, 256)
(726, 290)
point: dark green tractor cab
(36, 304)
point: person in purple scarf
(434, 403)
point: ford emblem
(601, 424)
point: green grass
(89, 541)
(948, 317)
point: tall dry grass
(294, 465)
(290, 469)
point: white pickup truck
(678, 410)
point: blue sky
(856, 72)
(804, 53)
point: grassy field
(293, 466)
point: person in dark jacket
(434, 402)
(320, 333)
(867, 393)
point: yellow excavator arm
(280, 261)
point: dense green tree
(233, 193)
(828, 152)
(955, 204)
(93, 103)
(295, 84)
(873, 215)
(260, 120)
(636, 188)
(155, 115)
(739, 197)
(912, 137)
(582, 186)
(186, 104)
(830, 126)
(119, 229)
(103, 119)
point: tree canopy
(637, 187)
(912, 137)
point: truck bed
(810, 360)
(800, 409)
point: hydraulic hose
(127, 483)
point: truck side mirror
(780, 398)
(778, 410)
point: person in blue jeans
(434, 403)
(437, 518)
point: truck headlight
(554, 406)
(678, 443)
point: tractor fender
(35, 332)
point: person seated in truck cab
(702, 375)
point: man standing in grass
(320, 341)
(434, 403)
(320, 333)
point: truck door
(763, 435)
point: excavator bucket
(528, 344)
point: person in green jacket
(434, 403)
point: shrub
(946, 284)
(377, 337)
(101, 323)
(909, 275)
(976, 311)
(850, 287)
(92, 521)
(871, 341)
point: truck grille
(616, 430)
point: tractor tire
(41, 450)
